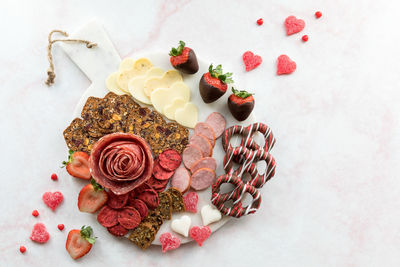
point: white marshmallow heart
(182, 225)
(210, 214)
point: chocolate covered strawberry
(241, 104)
(184, 59)
(214, 84)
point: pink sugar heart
(294, 25)
(39, 233)
(190, 200)
(52, 200)
(200, 234)
(169, 242)
(285, 65)
(251, 61)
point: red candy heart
(200, 234)
(285, 65)
(52, 199)
(169, 242)
(39, 233)
(251, 61)
(190, 200)
(294, 25)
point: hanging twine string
(51, 75)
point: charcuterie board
(99, 62)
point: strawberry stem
(95, 185)
(86, 233)
(177, 51)
(218, 73)
(241, 94)
(65, 163)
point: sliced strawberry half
(79, 242)
(92, 197)
(78, 165)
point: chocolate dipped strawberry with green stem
(241, 104)
(184, 59)
(214, 83)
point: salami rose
(121, 162)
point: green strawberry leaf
(218, 73)
(95, 185)
(86, 233)
(241, 94)
(177, 51)
(65, 163)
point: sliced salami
(217, 122)
(117, 201)
(107, 217)
(170, 159)
(205, 130)
(181, 179)
(117, 230)
(208, 162)
(191, 155)
(129, 217)
(202, 179)
(203, 143)
(160, 173)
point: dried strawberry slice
(117, 230)
(141, 207)
(129, 217)
(160, 173)
(170, 159)
(117, 201)
(107, 217)
(158, 185)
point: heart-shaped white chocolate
(188, 115)
(210, 214)
(139, 68)
(181, 225)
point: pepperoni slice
(117, 201)
(141, 207)
(191, 155)
(205, 130)
(170, 159)
(217, 122)
(158, 185)
(107, 217)
(129, 217)
(118, 230)
(160, 173)
(203, 143)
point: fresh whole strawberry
(79, 242)
(92, 197)
(214, 84)
(78, 165)
(241, 104)
(184, 59)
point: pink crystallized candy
(251, 61)
(294, 25)
(200, 234)
(39, 233)
(52, 200)
(285, 65)
(169, 242)
(190, 200)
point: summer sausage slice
(181, 179)
(202, 142)
(205, 130)
(190, 155)
(208, 162)
(217, 122)
(202, 179)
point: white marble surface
(334, 200)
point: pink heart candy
(52, 200)
(294, 25)
(190, 200)
(169, 242)
(39, 233)
(200, 234)
(285, 65)
(251, 61)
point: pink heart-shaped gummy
(169, 242)
(190, 200)
(52, 199)
(200, 234)
(294, 25)
(285, 65)
(251, 61)
(39, 233)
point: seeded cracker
(143, 235)
(165, 205)
(77, 138)
(155, 219)
(178, 204)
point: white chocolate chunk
(181, 225)
(161, 97)
(169, 110)
(167, 80)
(139, 68)
(126, 64)
(210, 214)
(111, 84)
(136, 85)
(187, 116)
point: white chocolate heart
(167, 80)
(136, 85)
(210, 214)
(126, 64)
(188, 115)
(139, 68)
(111, 84)
(169, 110)
(182, 225)
(161, 97)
